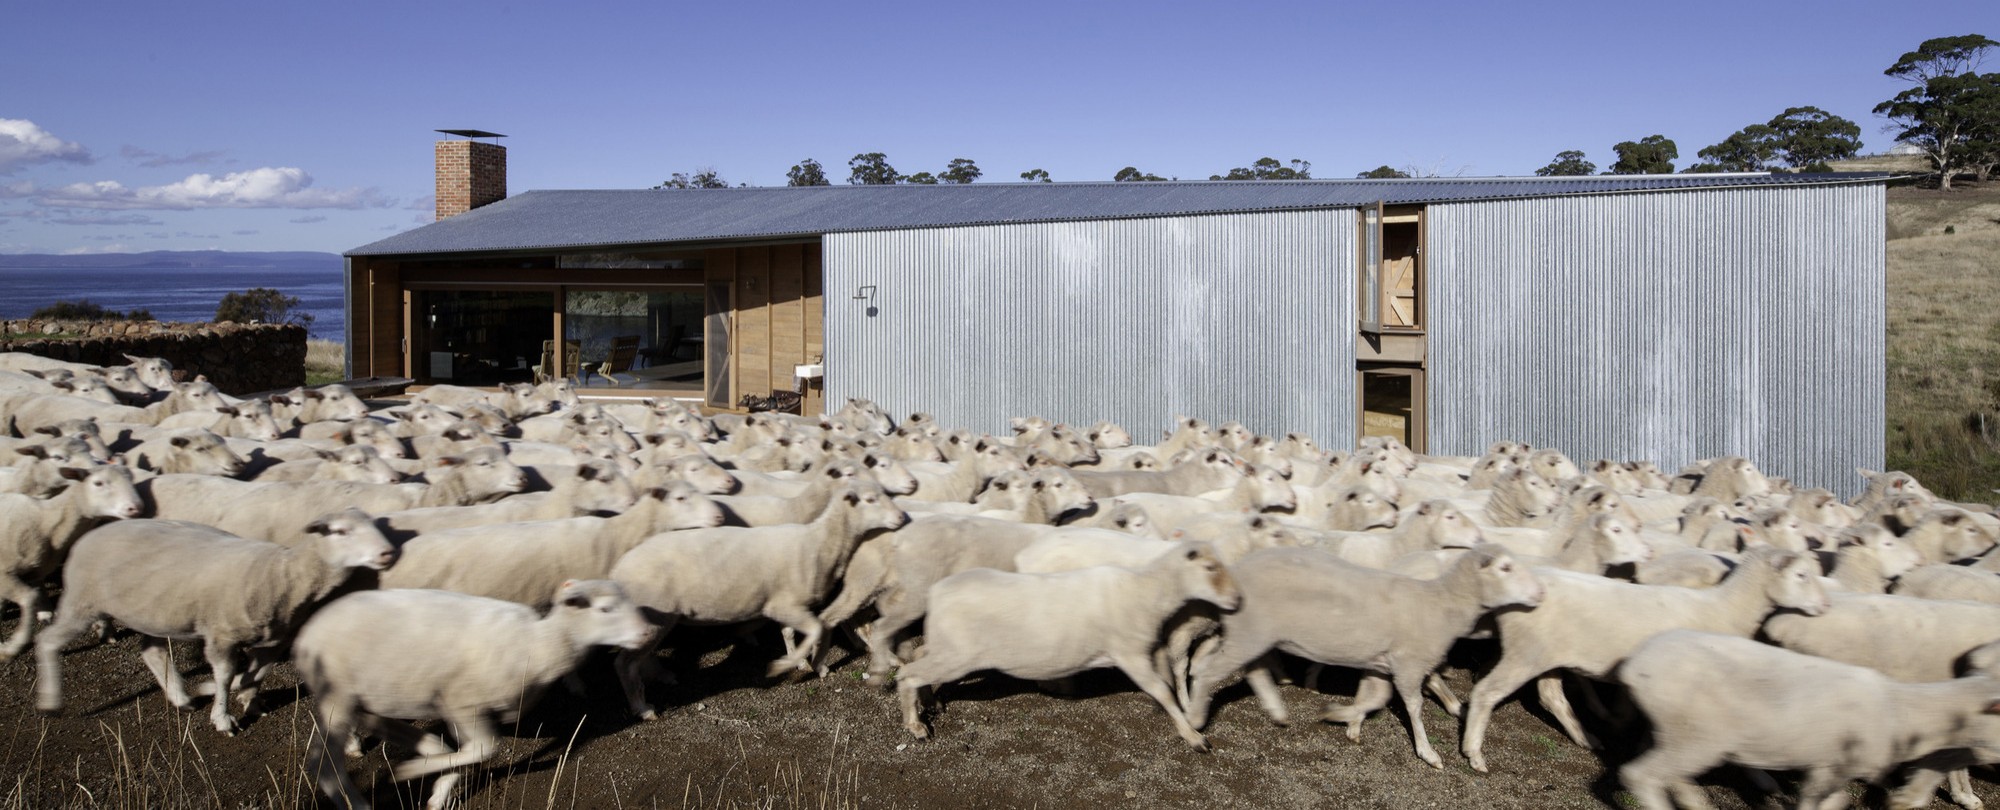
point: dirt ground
(727, 738)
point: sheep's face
(871, 507)
(701, 471)
(252, 420)
(1007, 491)
(602, 487)
(1109, 435)
(125, 381)
(914, 447)
(1552, 465)
(1959, 534)
(890, 473)
(1234, 435)
(1060, 492)
(1024, 425)
(1271, 491)
(1360, 509)
(1447, 527)
(201, 453)
(689, 423)
(1504, 581)
(197, 396)
(486, 473)
(358, 463)
(1796, 584)
(990, 459)
(683, 506)
(372, 434)
(1618, 541)
(1131, 518)
(605, 430)
(349, 539)
(62, 452)
(599, 612)
(607, 453)
(155, 372)
(1615, 477)
(1533, 494)
(335, 403)
(107, 491)
(1142, 462)
(426, 420)
(86, 387)
(1894, 555)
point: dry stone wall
(237, 358)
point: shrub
(83, 310)
(262, 305)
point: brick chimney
(469, 174)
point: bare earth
(727, 739)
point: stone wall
(237, 358)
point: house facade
(1659, 317)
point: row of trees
(1951, 112)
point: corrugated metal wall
(1240, 316)
(1665, 326)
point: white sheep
(1264, 489)
(484, 662)
(727, 575)
(1310, 604)
(1213, 469)
(1051, 626)
(35, 535)
(588, 489)
(1715, 698)
(355, 462)
(167, 579)
(1432, 525)
(189, 451)
(523, 561)
(1588, 624)
(1954, 582)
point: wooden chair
(571, 366)
(624, 349)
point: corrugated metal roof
(550, 220)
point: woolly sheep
(190, 451)
(1588, 624)
(588, 489)
(1050, 626)
(354, 656)
(1783, 710)
(726, 575)
(1312, 605)
(35, 536)
(168, 579)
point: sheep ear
(178, 441)
(657, 493)
(653, 439)
(73, 473)
(578, 600)
(853, 498)
(451, 461)
(35, 451)
(328, 456)
(49, 430)
(319, 527)
(230, 410)
(280, 399)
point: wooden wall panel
(384, 297)
(788, 323)
(753, 319)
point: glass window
(1371, 269)
(479, 337)
(656, 333)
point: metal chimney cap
(471, 133)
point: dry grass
(325, 360)
(1944, 339)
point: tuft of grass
(325, 360)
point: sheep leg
(222, 662)
(1442, 691)
(1960, 788)
(329, 771)
(1550, 689)
(1665, 768)
(802, 656)
(1410, 686)
(1265, 685)
(159, 657)
(1821, 790)
(1506, 676)
(629, 663)
(897, 614)
(1923, 783)
(1226, 659)
(48, 654)
(940, 665)
(27, 596)
(476, 743)
(1151, 681)
(1371, 695)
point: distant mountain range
(181, 260)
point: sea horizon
(179, 294)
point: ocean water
(171, 294)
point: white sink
(809, 372)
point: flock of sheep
(504, 534)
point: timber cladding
(777, 321)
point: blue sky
(131, 126)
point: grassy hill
(1944, 338)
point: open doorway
(1392, 404)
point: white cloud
(22, 143)
(307, 220)
(425, 203)
(111, 248)
(268, 187)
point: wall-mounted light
(864, 292)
